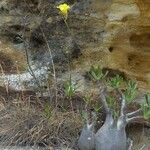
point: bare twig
(142, 147)
(49, 49)
(134, 113)
(28, 61)
(53, 65)
(72, 35)
(133, 119)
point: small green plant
(115, 82)
(110, 101)
(70, 89)
(131, 91)
(146, 107)
(112, 104)
(88, 99)
(96, 73)
(97, 107)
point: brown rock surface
(125, 45)
(114, 34)
(128, 32)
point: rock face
(127, 34)
(114, 34)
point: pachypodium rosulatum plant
(112, 134)
(131, 91)
(87, 138)
(112, 104)
(115, 82)
(96, 73)
(70, 88)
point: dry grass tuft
(23, 123)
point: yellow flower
(64, 8)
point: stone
(114, 34)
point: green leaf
(69, 88)
(112, 104)
(97, 107)
(131, 91)
(96, 73)
(115, 82)
(146, 107)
